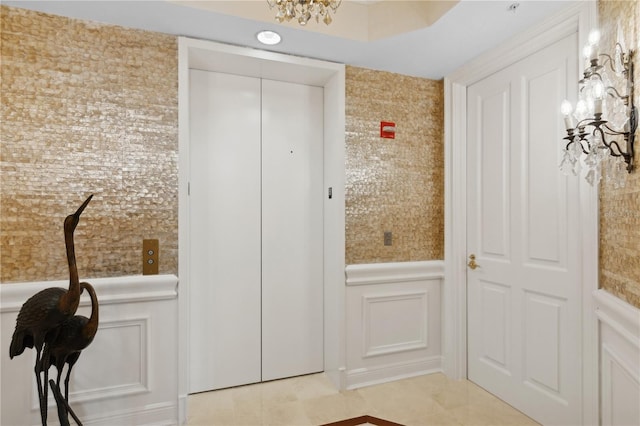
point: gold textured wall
(620, 207)
(92, 108)
(396, 184)
(86, 108)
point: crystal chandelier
(303, 10)
(605, 117)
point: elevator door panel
(225, 234)
(256, 230)
(292, 229)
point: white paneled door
(524, 322)
(256, 233)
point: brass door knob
(472, 262)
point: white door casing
(524, 300)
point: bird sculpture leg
(63, 403)
(70, 361)
(37, 370)
(64, 409)
(63, 416)
(66, 384)
(45, 397)
(45, 365)
(58, 381)
(66, 391)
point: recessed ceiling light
(268, 37)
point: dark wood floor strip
(361, 420)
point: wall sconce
(606, 117)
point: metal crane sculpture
(74, 335)
(39, 317)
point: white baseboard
(155, 414)
(182, 409)
(387, 373)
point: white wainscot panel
(619, 325)
(393, 321)
(127, 376)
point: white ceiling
(468, 29)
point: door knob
(472, 262)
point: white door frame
(579, 17)
(211, 56)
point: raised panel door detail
(493, 171)
(494, 322)
(545, 201)
(543, 343)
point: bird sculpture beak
(82, 207)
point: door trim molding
(208, 55)
(579, 17)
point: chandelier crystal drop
(304, 10)
(601, 128)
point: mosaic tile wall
(86, 108)
(620, 208)
(396, 184)
(92, 108)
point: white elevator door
(255, 230)
(292, 230)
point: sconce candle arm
(608, 60)
(611, 88)
(609, 131)
(620, 153)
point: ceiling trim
(354, 20)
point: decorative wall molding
(620, 389)
(619, 315)
(372, 316)
(139, 359)
(393, 322)
(128, 289)
(128, 375)
(619, 325)
(385, 273)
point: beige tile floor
(311, 400)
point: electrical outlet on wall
(150, 250)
